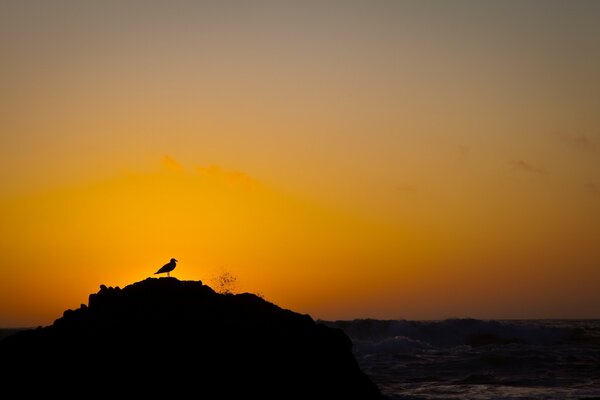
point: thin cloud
(592, 188)
(464, 152)
(170, 164)
(236, 178)
(526, 166)
(406, 188)
(578, 140)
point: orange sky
(343, 159)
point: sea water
(479, 359)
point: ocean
(479, 359)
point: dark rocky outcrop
(180, 338)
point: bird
(170, 266)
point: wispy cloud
(464, 152)
(169, 163)
(592, 188)
(406, 188)
(526, 166)
(578, 140)
(214, 173)
(236, 178)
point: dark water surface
(477, 359)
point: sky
(342, 159)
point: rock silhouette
(162, 336)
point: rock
(181, 338)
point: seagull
(170, 266)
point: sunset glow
(343, 159)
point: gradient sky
(344, 159)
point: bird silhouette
(170, 266)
